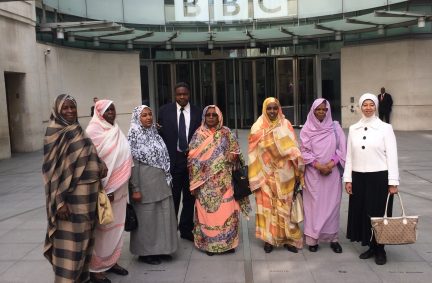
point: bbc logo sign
(229, 10)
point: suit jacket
(167, 118)
(385, 106)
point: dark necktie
(182, 132)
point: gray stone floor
(23, 224)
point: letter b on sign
(191, 10)
(230, 10)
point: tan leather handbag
(395, 230)
(297, 214)
(104, 210)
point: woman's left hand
(392, 189)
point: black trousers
(385, 117)
(180, 176)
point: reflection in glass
(164, 87)
(286, 87)
(306, 88)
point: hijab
(370, 96)
(147, 145)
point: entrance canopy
(372, 25)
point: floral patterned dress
(217, 213)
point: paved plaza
(23, 226)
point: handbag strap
(400, 201)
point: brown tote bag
(395, 230)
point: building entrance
(239, 86)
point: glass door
(286, 88)
(164, 83)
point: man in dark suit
(385, 105)
(95, 99)
(177, 123)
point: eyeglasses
(273, 108)
(211, 114)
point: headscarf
(207, 150)
(322, 135)
(281, 134)
(147, 145)
(112, 147)
(373, 97)
(69, 158)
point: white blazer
(371, 148)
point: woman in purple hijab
(323, 150)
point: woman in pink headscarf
(113, 148)
(323, 150)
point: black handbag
(131, 221)
(241, 182)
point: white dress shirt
(186, 113)
(371, 148)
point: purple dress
(322, 194)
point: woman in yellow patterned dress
(275, 163)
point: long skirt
(368, 199)
(321, 200)
(273, 221)
(217, 231)
(70, 249)
(109, 238)
(157, 228)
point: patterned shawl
(147, 145)
(271, 142)
(208, 150)
(69, 158)
(112, 147)
(318, 137)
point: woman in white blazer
(371, 172)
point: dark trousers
(385, 117)
(180, 176)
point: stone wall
(403, 67)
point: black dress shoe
(313, 249)
(336, 247)
(98, 278)
(150, 259)
(165, 257)
(291, 248)
(380, 257)
(367, 254)
(117, 269)
(268, 248)
(187, 236)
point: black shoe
(268, 248)
(165, 257)
(380, 257)
(150, 259)
(98, 279)
(313, 249)
(336, 247)
(187, 236)
(291, 248)
(367, 254)
(117, 269)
